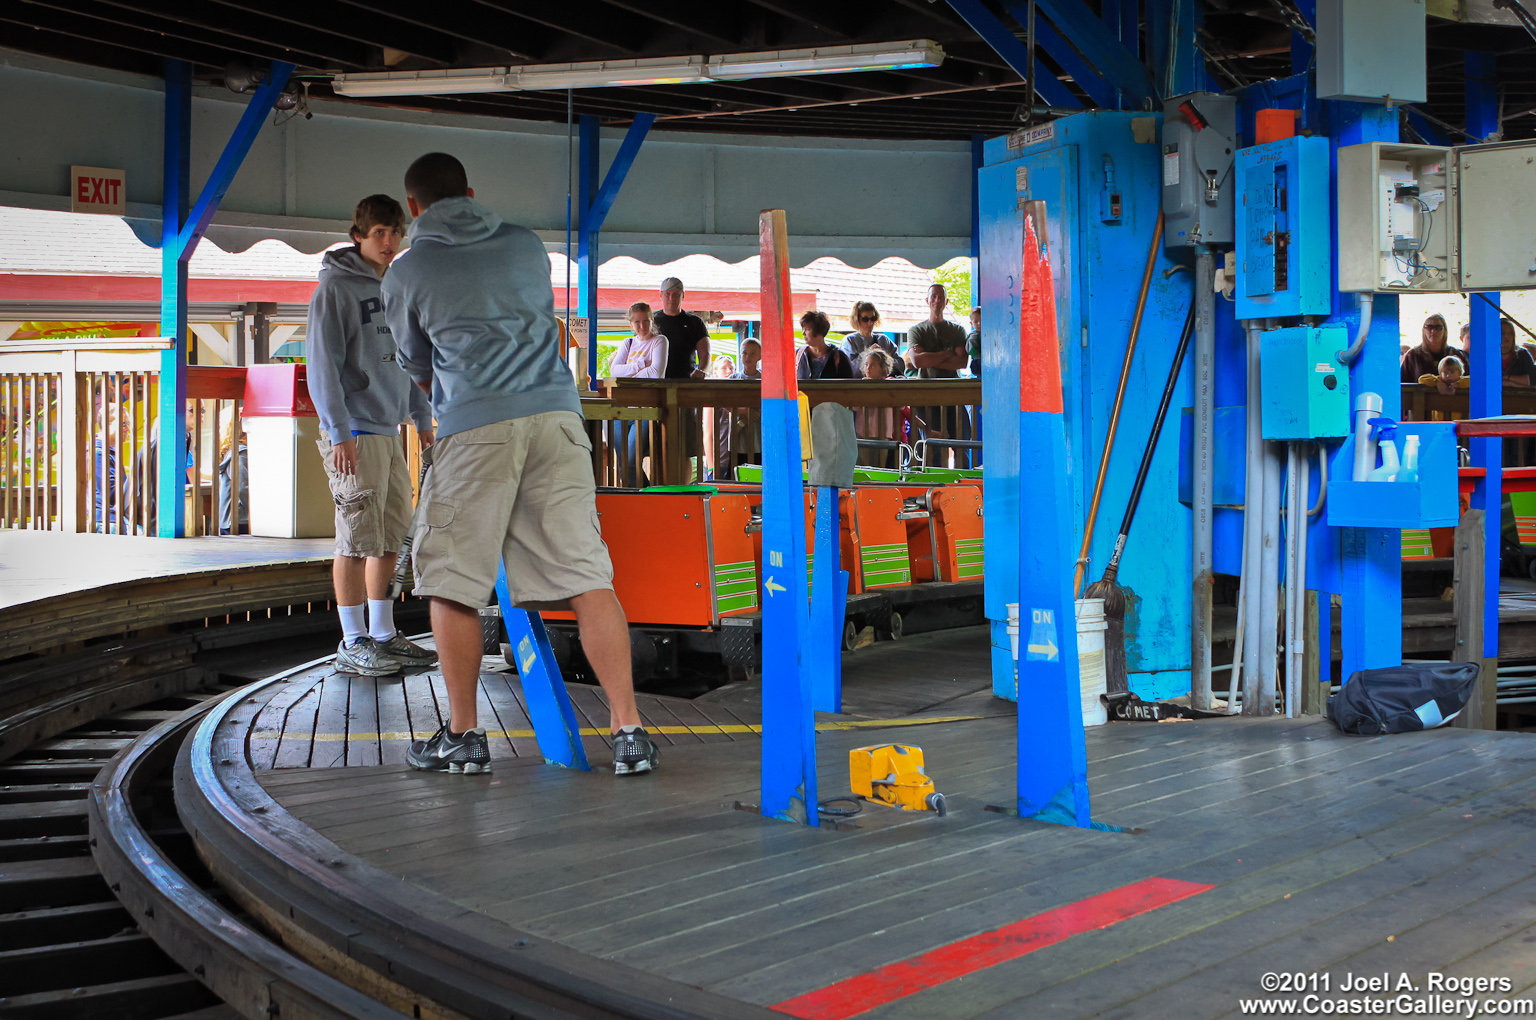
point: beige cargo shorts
(520, 491)
(373, 506)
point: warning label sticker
(1170, 165)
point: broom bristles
(1116, 680)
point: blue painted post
(595, 203)
(823, 664)
(171, 509)
(789, 725)
(180, 231)
(1371, 613)
(587, 233)
(1007, 45)
(1301, 49)
(1052, 758)
(978, 160)
(549, 705)
(1487, 396)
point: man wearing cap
(687, 336)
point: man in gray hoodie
(472, 312)
(361, 399)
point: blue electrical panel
(1284, 258)
(1304, 391)
(1099, 174)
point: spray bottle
(1410, 469)
(1367, 406)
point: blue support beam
(1487, 396)
(1106, 96)
(1100, 47)
(1007, 45)
(829, 596)
(181, 230)
(595, 202)
(171, 470)
(978, 160)
(549, 704)
(1302, 51)
(234, 154)
(1371, 613)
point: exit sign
(94, 189)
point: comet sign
(94, 189)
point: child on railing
(875, 365)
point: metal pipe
(1243, 587)
(1349, 355)
(1204, 500)
(1322, 480)
(1269, 592)
(1253, 517)
(1293, 504)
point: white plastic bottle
(1389, 463)
(1409, 472)
(1367, 406)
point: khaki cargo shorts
(519, 490)
(373, 506)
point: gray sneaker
(407, 652)
(363, 657)
(470, 754)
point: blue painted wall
(1099, 264)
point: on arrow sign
(770, 587)
(1042, 637)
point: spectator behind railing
(864, 318)
(738, 430)
(644, 355)
(226, 482)
(875, 365)
(818, 359)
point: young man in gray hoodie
(472, 312)
(361, 398)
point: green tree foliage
(955, 275)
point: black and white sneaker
(633, 752)
(406, 652)
(468, 754)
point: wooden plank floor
(1324, 853)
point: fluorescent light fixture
(422, 83)
(648, 71)
(827, 60)
(607, 73)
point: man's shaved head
(436, 176)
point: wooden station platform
(1264, 846)
(58, 588)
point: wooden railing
(215, 437)
(1426, 403)
(78, 442)
(660, 431)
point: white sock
(352, 623)
(381, 619)
(630, 729)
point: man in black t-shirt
(687, 336)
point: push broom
(1115, 680)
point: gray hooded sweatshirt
(473, 313)
(350, 355)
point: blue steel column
(789, 724)
(586, 237)
(1487, 396)
(1052, 757)
(829, 602)
(171, 511)
(1371, 615)
(978, 160)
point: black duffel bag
(1401, 699)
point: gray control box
(1371, 51)
(1199, 138)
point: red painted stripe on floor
(859, 994)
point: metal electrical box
(1099, 175)
(1437, 219)
(1284, 258)
(1303, 390)
(1199, 138)
(1371, 51)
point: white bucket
(1090, 654)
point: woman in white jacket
(644, 355)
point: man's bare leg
(349, 574)
(456, 628)
(605, 640)
(378, 573)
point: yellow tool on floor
(893, 774)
